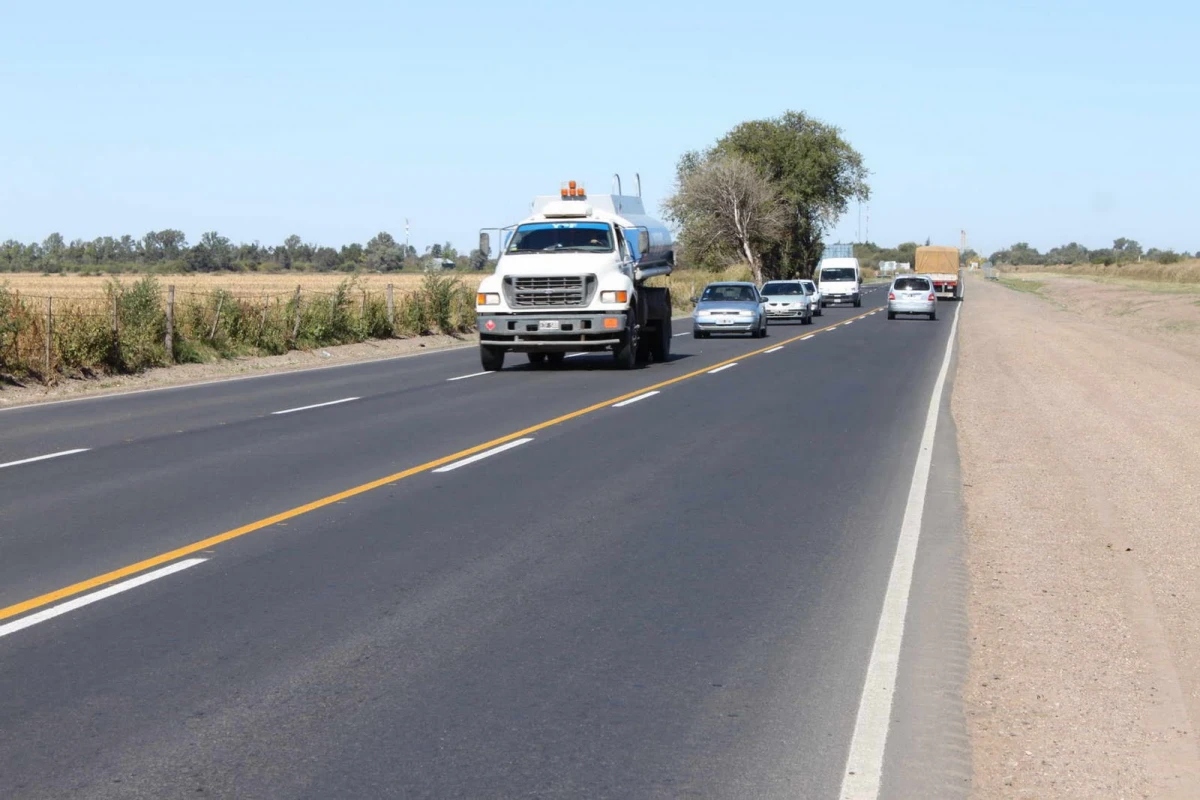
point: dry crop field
(241, 284)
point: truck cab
(570, 278)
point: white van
(840, 281)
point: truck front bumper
(549, 331)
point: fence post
(170, 342)
(49, 336)
(362, 311)
(296, 322)
(391, 308)
(220, 302)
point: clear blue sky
(1039, 121)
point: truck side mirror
(643, 242)
(485, 244)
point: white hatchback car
(912, 294)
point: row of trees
(765, 194)
(1123, 251)
(168, 250)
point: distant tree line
(169, 251)
(1123, 251)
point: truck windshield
(552, 237)
(782, 288)
(837, 274)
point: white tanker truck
(571, 278)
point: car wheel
(697, 334)
(891, 315)
(932, 316)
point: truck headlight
(614, 297)
(487, 299)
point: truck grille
(549, 290)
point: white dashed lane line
(632, 400)
(43, 458)
(315, 405)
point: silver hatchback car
(729, 307)
(912, 294)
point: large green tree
(817, 174)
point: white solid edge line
(685, 333)
(631, 400)
(719, 369)
(43, 458)
(464, 377)
(88, 599)
(773, 349)
(315, 405)
(864, 766)
(483, 455)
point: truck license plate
(548, 325)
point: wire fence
(141, 325)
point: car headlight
(487, 299)
(614, 297)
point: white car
(818, 309)
(912, 294)
(787, 300)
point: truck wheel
(625, 354)
(660, 344)
(492, 358)
(858, 302)
(537, 358)
(555, 359)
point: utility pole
(406, 237)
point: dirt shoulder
(1080, 445)
(14, 394)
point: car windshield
(911, 285)
(812, 287)
(728, 293)
(837, 274)
(782, 288)
(550, 237)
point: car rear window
(911, 284)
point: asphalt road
(676, 597)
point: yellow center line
(292, 513)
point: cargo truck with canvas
(941, 265)
(571, 277)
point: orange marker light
(610, 323)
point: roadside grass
(121, 329)
(1180, 277)
(1023, 285)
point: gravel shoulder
(14, 394)
(1079, 438)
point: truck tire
(492, 358)
(660, 344)
(537, 358)
(858, 301)
(625, 354)
(555, 359)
